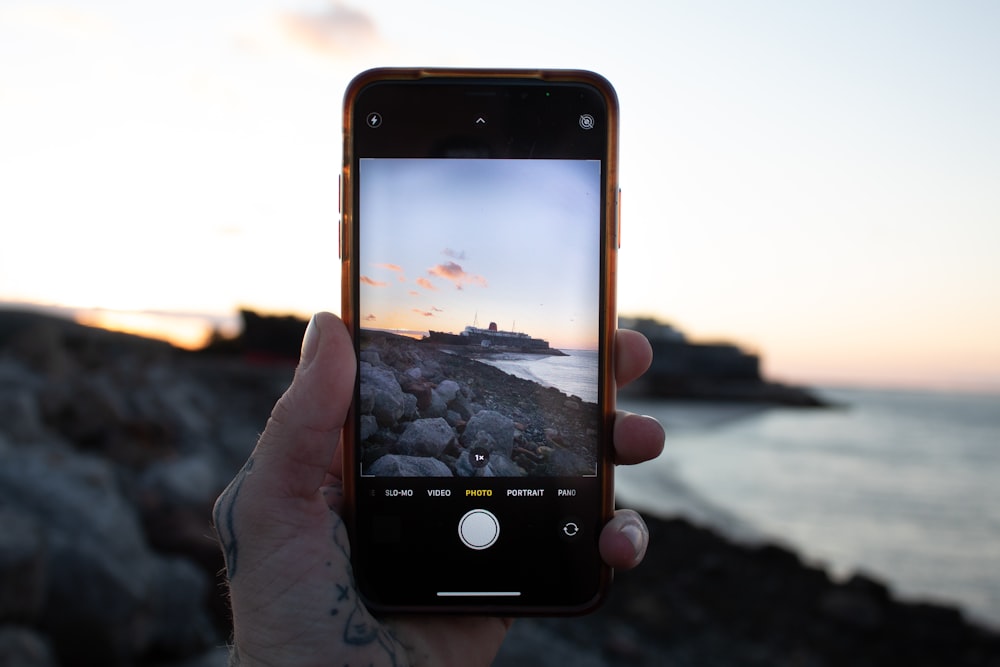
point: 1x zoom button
(478, 529)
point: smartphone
(479, 238)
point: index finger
(633, 355)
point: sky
(815, 181)
(451, 243)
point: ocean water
(574, 374)
(904, 486)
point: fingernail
(634, 534)
(310, 343)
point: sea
(902, 486)
(572, 374)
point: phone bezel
(608, 322)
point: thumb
(300, 441)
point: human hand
(286, 547)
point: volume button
(618, 215)
(340, 216)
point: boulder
(504, 467)
(369, 426)
(381, 395)
(22, 567)
(447, 390)
(464, 467)
(396, 465)
(499, 466)
(426, 437)
(564, 463)
(175, 501)
(22, 647)
(370, 357)
(497, 426)
(104, 585)
(178, 592)
(20, 416)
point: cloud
(374, 283)
(454, 254)
(395, 268)
(391, 267)
(335, 31)
(370, 317)
(425, 313)
(436, 309)
(426, 284)
(332, 31)
(455, 274)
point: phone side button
(478, 529)
(618, 222)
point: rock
(497, 426)
(504, 467)
(851, 607)
(455, 419)
(410, 410)
(22, 567)
(22, 647)
(178, 592)
(381, 395)
(498, 466)
(97, 611)
(426, 437)
(369, 425)
(175, 502)
(436, 406)
(564, 463)
(396, 465)
(20, 416)
(86, 411)
(447, 390)
(464, 467)
(532, 642)
(190, 480)
(464, 407)
(102, 579)
(418, 387)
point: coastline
(138, 438)
(899, 485)
(699, 599)
(423, 409)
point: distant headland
(720, 371)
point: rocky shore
(424, 410)
(113, 449)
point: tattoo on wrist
(223, 517)
(360, 628)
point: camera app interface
(479, 316)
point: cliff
(718, 371)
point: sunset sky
(815, 181)
(449, 243)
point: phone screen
(478, 253)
